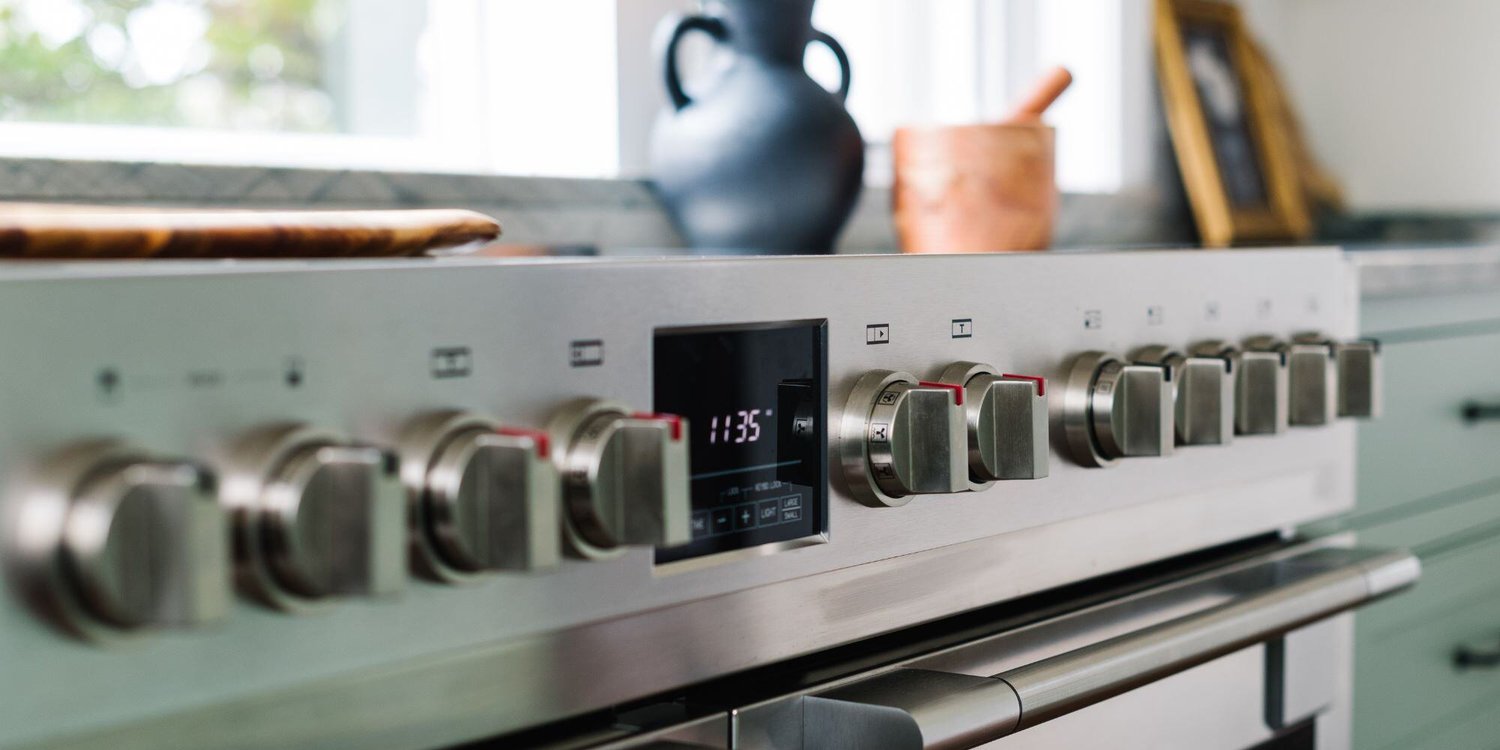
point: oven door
(1254, 654)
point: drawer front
(1423, 447)
(1480, 730)
(1407, 689)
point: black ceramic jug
(768, 161)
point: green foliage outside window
(233, 64)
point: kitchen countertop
(1416, 271)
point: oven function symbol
(586, 353)
(108, 382)
(295, 373)
(878, 333)
(450, 362)
(803, 426)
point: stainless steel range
(852, 502)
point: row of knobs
(113, 540)
(1158, 398)
(972, 426)
(963, 431)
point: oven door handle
(912, 709)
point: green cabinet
(1429, 480)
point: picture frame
(1238, 166)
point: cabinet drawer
(1407, 690)
(1423, 446)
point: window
(490, 86)
(564, 87)
(960, 61)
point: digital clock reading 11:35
(740, 427)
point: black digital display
(756, 401)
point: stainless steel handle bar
(916, 709)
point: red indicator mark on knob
(1041, 382)
(958, 390)
(543, 440)
(671, 419)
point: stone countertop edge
(1414, 271)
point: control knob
(1312, 378)
(482, 497)
(1359, 378)
(1202, 391)
(1356, 374)
(624, 478)
(315, 517)
(904, 437)
(1006, 420)
(112, 540)
(1260, 386)
(1114, 409)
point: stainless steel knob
(624, 478)
(1202, 392)
(1006, 419)
(483, 497)
(1113, 409)
(316, 517)
(904, 437)
(1260, 386)
(1359, 378)
(1312, 378)
(113, 541)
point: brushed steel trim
(419, 445)
(1078, 412)
(853, 437)
(879, 570)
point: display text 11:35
(740, 427)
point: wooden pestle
(1035, 103)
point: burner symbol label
(586, 353)
(451, 362)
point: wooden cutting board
(73, 232)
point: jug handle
(843, 58)
(680, 28)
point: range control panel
(755, 399)
(670, 470)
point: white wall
(1401, 98)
